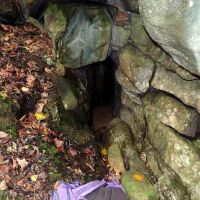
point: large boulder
(136, 67)
(142, 40)
(187, 91)
(172, 112)
(177, 152)
(175, 26)
(87, 35)
(169, 185)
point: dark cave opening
(104, 94)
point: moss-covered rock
(68, 93)
(172, 112)
(81, 34)
(187, 91)
(177, 152)
(55, 21)
(169, 184)
(138, 189)
(120, 36)
(115, 159)
(136, 67)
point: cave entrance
(104, 94)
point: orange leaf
(138, 177)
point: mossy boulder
(187, 91)
(169, 184)
(138, 189)
(115, 159)
(177, 152)
(81, 34)
(172, 112)
(55, 21)
(136, 67)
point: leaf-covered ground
(35, 157)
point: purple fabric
(76, 192)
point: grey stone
(120, 35)
(177, 152)
(143, 41)
(55, 21)
(68, 93)
(172, 112)
(126, 83)
(169, 185)
(136, 67)
(175, 26)
(86, 39)
(119, 133)
(187, 91)
(137, 119)
(133, 5)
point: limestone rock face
(175, 26)
(136, 67)
(172, 113)
(86, 39)
(187, 91)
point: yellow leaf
(40, 116)
(103, 152)
(138, 177)
(3, 95)
(34, 178)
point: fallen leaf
(3, 135)
(72, 152)
(34, 178)
(22, 133)
(57, 185)
(4, 169)
(138, 177)
(25, 89)
(89, 152)
(3, 185)
(3, 95)
(22, 162)
(1, 158)
(104, 152)
(40, 116)
(58, 143)
(30, 80)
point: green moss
(51, 152)
(54, 176)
